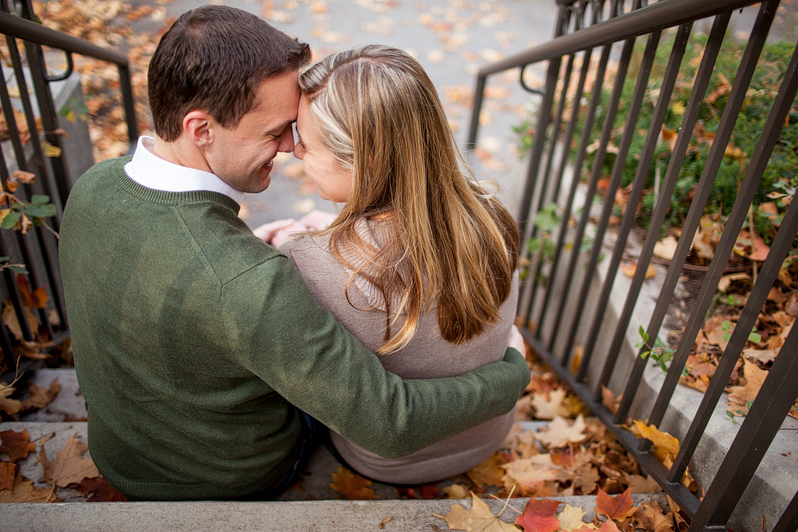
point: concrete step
(311, 506)
(299, 516)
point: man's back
(147, 323)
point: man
(197, 346)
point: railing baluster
(733, 222)
(663, 202)
(763, 421)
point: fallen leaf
(456, 491)
(629, 270)
(488, 472)
(549, 407)
(571, 518)
(8, 472)
(665, 446)
(352, 487)
(99, 490)
(25, 491)
(765, 356)
(528, 475)
(560, 434)
(69, 467)
(39, 397)
(665, 248)
(538, 516)
(382, 523)
(16, 444)
(651, 518)
(616, 508)
(8, 405)
(478, 519)
(640, 484)
(739, 396)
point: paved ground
(451, 38)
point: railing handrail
(36, 33)
(33, 32)
(655, 17)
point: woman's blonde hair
(451, 241)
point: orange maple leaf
(538, 516)
(618, 508)
(16, 444)
(351, 486)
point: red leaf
(619, 507)
(538, 516)
(100, 490)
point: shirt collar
(149, 170)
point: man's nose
(287, 140)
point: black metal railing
(35, 145)
(577, 317)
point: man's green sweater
(195, 343)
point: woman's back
(427, 355)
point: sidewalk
(452, 39)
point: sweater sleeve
(297, 347)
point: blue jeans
(307, 443)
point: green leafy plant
(660, 352)
(22, 216)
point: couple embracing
(212, 362)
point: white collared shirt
(149, 170)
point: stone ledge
(285, 516)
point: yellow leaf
(477, 519)
(50, 150)
(456, 491)
(571, 518)
(353, 487)
(665, 446)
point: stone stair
(313, 506)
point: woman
(419, 264)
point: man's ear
(197, 125)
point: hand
(267, 231)
(517, 341)
(317, 219)
(287, 233)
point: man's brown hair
(214, 58)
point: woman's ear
(197, 125)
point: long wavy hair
(452, 243)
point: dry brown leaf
(351, 486)
(489, 472)
(665, 248)
(630, 269)
(69, 467)
(739, 396)
(640, 484)
(651, 518)
(478, 518)
(16, 444)
(39, 397)
(8, 472)
(25, 491)
(530, 477)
